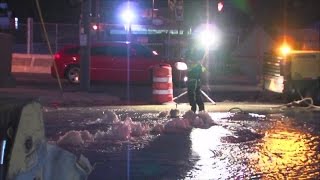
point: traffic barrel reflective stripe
(162, 79)
(162, 88)
(162, 83)
(160, 92)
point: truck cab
(295, 74)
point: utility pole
(85, 44)
(30, 36)
(152, 11)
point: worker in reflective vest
(195, 58)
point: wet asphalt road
(241, 146)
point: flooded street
(238, 145)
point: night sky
(299, 13)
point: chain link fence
(59, 35)
(166, 41)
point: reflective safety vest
(195, 71)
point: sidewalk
(46, 89)
(54, 97)
(111, 96)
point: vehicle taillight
(57, 56)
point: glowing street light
(128, 16)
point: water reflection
(167, 157)
(288, 152)
(205, 143)
(288, 148)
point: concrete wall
(33, 63)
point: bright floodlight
(208, 37)
(285, 49)
(128, 16)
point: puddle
(236, 146)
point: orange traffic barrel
(162, 88)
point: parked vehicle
(295, 74)
(109, 62)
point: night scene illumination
(285, 49)
(128, 16)
(136, 118)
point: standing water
(148, 145)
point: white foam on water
(139, 129)
(127, 129)
(158, 129)
(122, 130)
(101, 135)
(197, 122)
(163, 114)
(108, 117)
(75, 138)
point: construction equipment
(293, 73)
(25, 154)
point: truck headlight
(181, 66)
(185, 79)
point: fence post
(168, 47)
(56, 43)
(30, 36)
